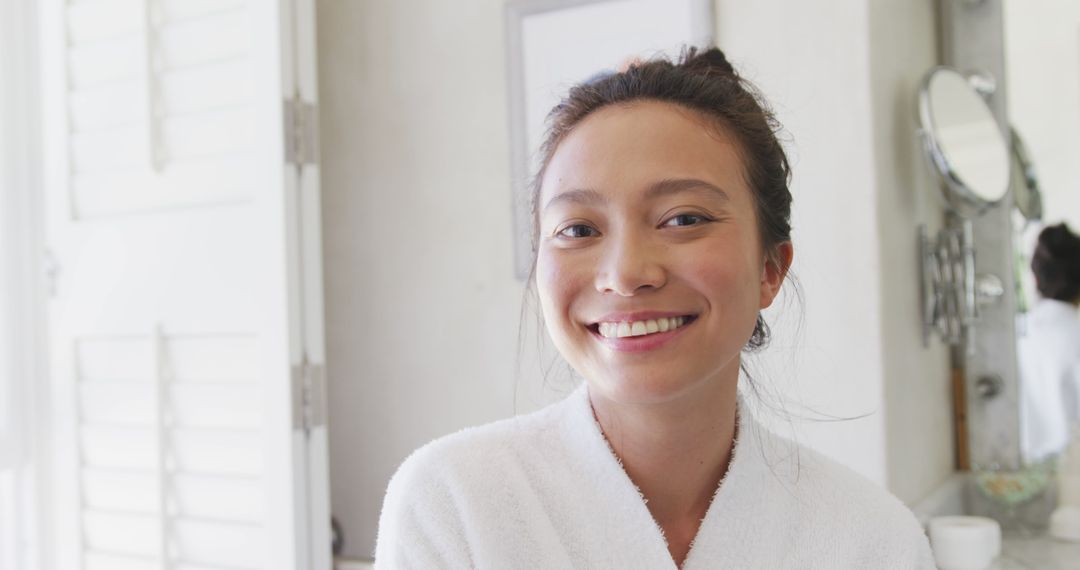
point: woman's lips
(640, 334)
(641, 327)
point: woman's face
(650, 271)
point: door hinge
(301, 132)
(309, 396)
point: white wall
(811, 61)
(842, 77)
(918, 393)
(422, 308)
(421, 301)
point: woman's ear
(774, 272)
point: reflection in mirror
(1025, 185)
(964, 142)
(1048, 347)
(1043, 84)
(1027, 217)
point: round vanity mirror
(1025, 185)
(964, 142)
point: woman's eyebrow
(666, 187)
(677, 185)
(585, 196)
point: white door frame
(22, 306)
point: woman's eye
(685, 220)
(577, 231)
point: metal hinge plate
(301, 132)
(309, 396)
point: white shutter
(186, 313)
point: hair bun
(1056, 264)
(709, 61)
(1059, 242)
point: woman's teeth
(641, 328)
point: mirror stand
(952, 292)
(948, 283)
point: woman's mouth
(640, 328)
(641, 335)
(636, 334)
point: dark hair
(704, 82)
(1056, 264)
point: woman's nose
(629, 266)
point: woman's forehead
(638, 145)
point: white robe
(1048, 349)
(545, 490)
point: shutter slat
(180, 10)
(203, 180)
(122, 533)
(106, 61)
(125, 491)
(103, 19)
(217, 452)
(225, 83)
(130, 403)
(212, 543)
(202, 41)
(223, 358)
(209, 406)
(208, 134)
(110, 150)
(112, 104)
(238, 500)
(120, 448)
(111, 561)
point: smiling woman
(662, 215)
(659, 239)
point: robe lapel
(751, 505)
(631, 536)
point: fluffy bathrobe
(1048, 348)
(545, 490)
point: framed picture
(554, 44)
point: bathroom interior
(226, 369)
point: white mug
(965, 543)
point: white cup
(965, 543)
(1065, 523)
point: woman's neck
(675, 452)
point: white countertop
(1019, 551)
(1037, 553)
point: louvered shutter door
(185, 317)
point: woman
(662, 229)
(1049, 347)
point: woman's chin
(643, 390)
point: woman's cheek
(727, 276)
(545, 271)
(552, 285)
